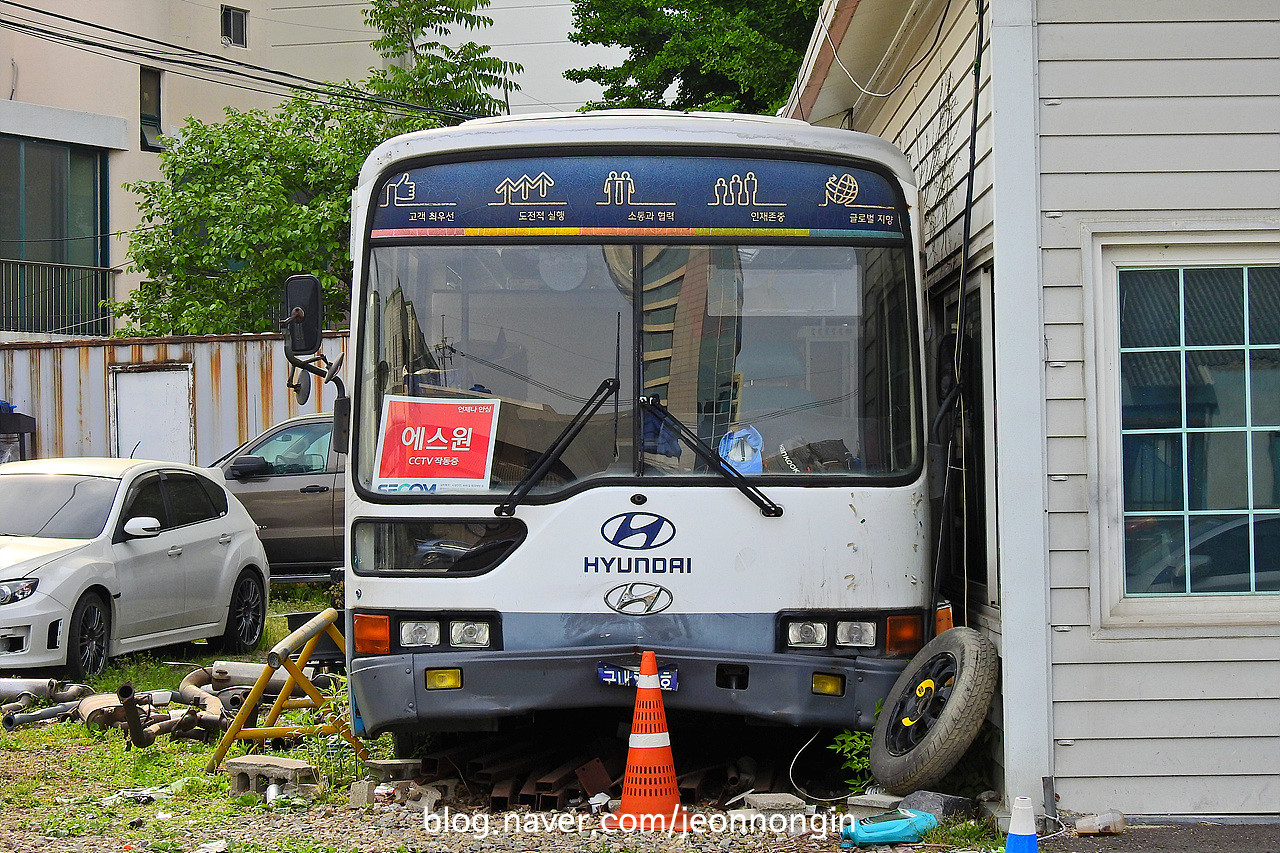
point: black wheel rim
(91, 639)
(246, 612)
(917, 711)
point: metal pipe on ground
(71, 692)
(139, 734)
(21, 703)
(12, 688)
(192, 692)
(228, 674)
(13, 721)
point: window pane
(1153, 556)
(1266, 553)
(537, 327)
(1153, 472)
(10, 199)
(1264, 387)
(1217, 472)
(148, 502)
(1264, 305)
(188, 500)
(1151, 390)
(82, 214)
(45, 197)
(1266, 469)
(1214, 306)
(302, 449)
(1220, 553)
(1215, 388)
(1148, 308)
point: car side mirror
(142, 527)
(303, 314)
(246, 467)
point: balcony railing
(61, 299)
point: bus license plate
(625, 676)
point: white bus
(626, 381)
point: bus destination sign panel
(642, 196)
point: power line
(213, 64)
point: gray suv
(290, 480)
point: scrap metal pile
(202, 708)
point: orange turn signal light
(903, 635)
(372, 634)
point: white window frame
(1110, 248)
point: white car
(100, 557)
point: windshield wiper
(552, 454)
(768, 508)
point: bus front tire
(934, 711)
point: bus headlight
(807, 635)
(856, 634)
(419, 633)
(469, 635)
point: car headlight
(474, 635)
(16, 590)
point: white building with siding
(1124, 299)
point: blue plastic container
(901, 826)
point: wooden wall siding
(1183, 719)
(1197, 794)
(929, 118)
(1150, 111)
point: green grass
(966, 834)
(55, 776)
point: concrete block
(428, 795)
(938, 805)
(447, 787)
(774, 802)
(255, 773)
(866, 805)
(362, 793)
(394, 769)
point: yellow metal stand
(302, 642)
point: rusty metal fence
(55, 298)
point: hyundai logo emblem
(638, 599)
(638, 531)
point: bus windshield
(791, 361)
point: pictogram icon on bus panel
(518, 191)
(403, 192)
(841, 190)
(620, 189)
(739, 191)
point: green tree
(240, 206)
(426, 71)
(245, 203)
(724, 55)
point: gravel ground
(391, 827)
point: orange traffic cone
(650, 796)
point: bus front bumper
(390, 692)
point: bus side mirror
(303, 314)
